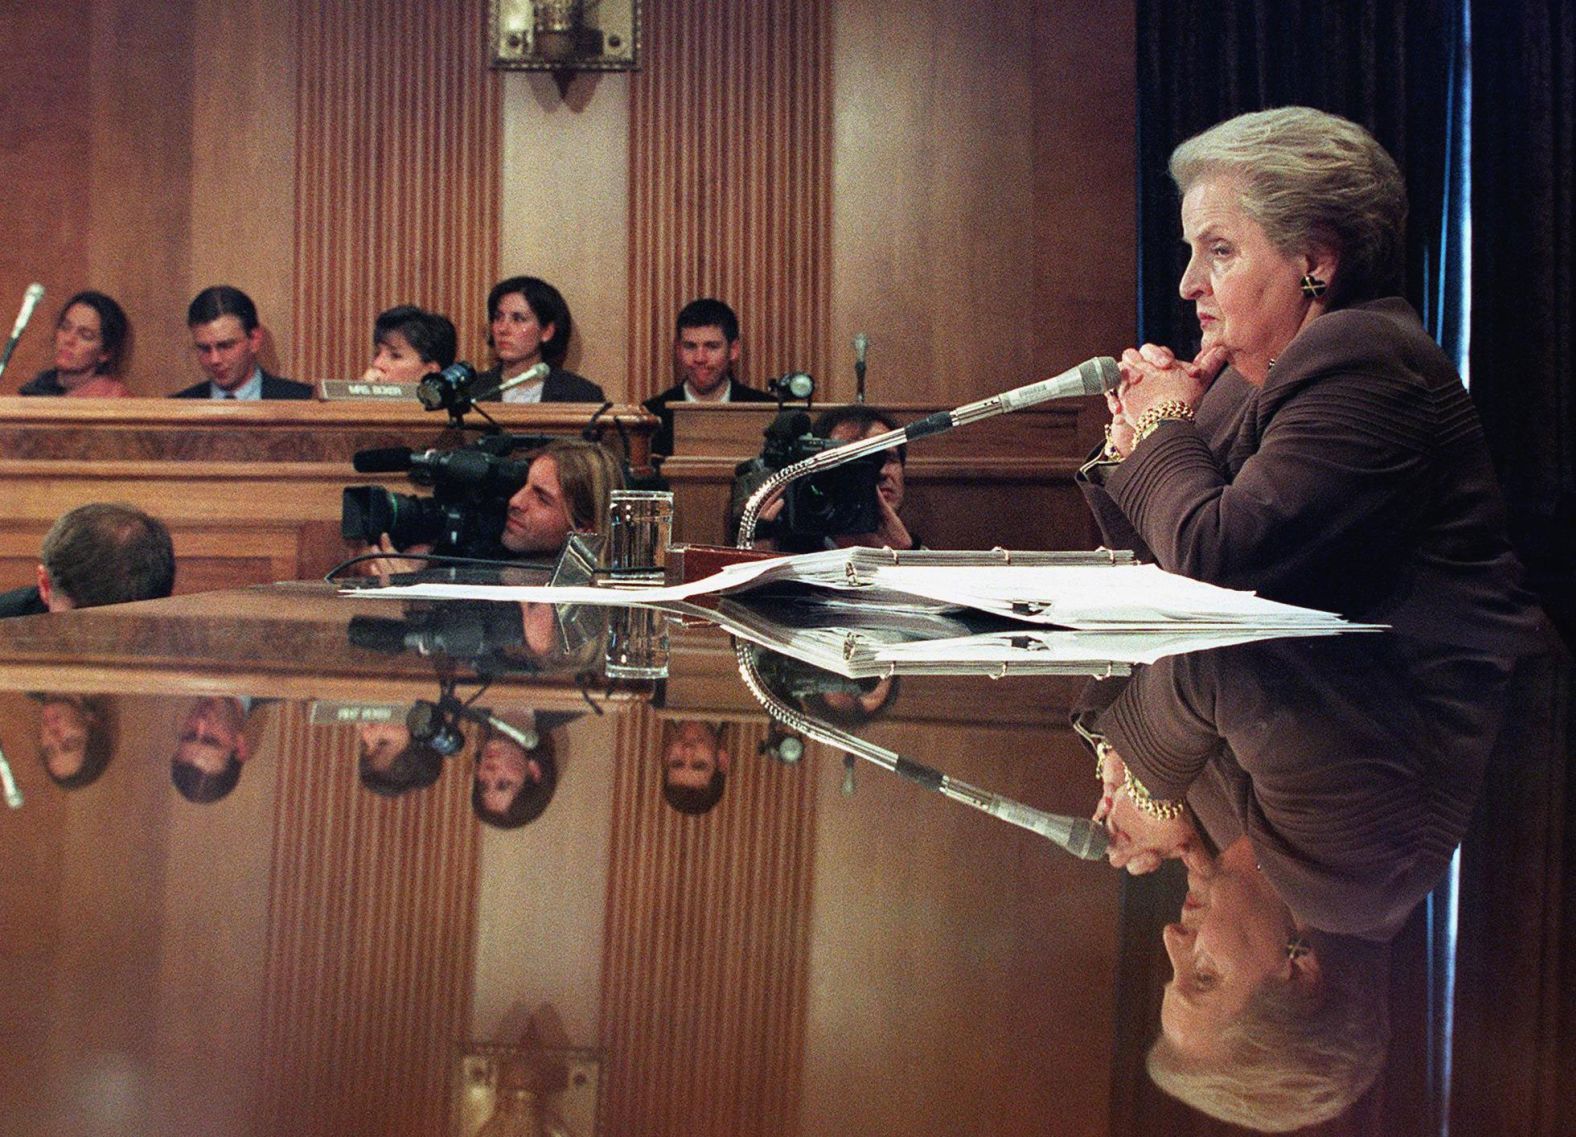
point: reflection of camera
(825, 504)
(465, 515)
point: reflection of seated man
(566, 490)
(390, 763)
(694, 766)
(211, 750)
(76, 738)
(98, 554)
(851, 424)
(514, 780)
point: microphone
(382, 460)
(1091, 377)
(861, 345)
(30, 299)
(794, 385)
(446, 388)
(530, 375)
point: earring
(1312, 286)
(1296, 948)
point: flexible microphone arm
(530, 374)
(1078, 835)
(1092, 377)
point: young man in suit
(705, 349)
(227, 340)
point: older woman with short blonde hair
(1319, 449)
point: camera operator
(566, 490)
(851, 424)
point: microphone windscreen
(384, 460)
(1100, 375)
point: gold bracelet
(1109, 452)
(1159, 810)
(1102, 748)
(1169, 410)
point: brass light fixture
(564, 37)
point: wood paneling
(730, 180)
(983, 216)
(396, 173)
(370, 948)
(704, 965)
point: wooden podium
(250, 490)
(1004, 481)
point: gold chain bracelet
(1159, 810)
(1168, 410)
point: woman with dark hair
(76, 738)
(1321, 449)
(516, 775)
(528, 324)
(408, 344)
(90, 345)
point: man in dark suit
(227, 340)
(98, 554)
(529, 323)
(705, 349)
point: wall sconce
(564, 37)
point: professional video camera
(832, 502)
(465, 515)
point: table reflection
(450, 832)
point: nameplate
(327, 712)
(361, 389)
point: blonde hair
(1298, 1055)
(588, 473)
(1312, 180)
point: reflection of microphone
(1091, 377)
(861, 345)
(13, 795)
(30, 299)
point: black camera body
(465, 515)
(830, 503)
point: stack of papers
(1080, 591)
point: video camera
(465, 515)
(833, 502)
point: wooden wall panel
(371, 944)
(396, 173)
(730, 180)
(705, 962)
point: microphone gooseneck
(1091, 377)
(1079, 836)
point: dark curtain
(1523, 301)
(1385, 65)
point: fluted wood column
(397, 174)
(706, 961)
(371, 944)
(730, 180)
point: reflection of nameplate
(327, 712)
(361, 389)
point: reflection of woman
(90, 343)
(1337, 461)
(516, 775)
(1335, 778)
(389, 762)
(76, 738)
